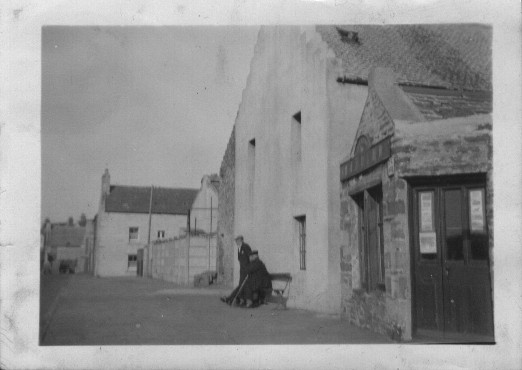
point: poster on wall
(426, 212)
(428, 243)
(476, 210)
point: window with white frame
(161, 234)
(133, 234)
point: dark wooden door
(452, 275)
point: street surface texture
(83, 310)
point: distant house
(64, 242)
(203, 213)
(129, 217)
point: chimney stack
(106, 184)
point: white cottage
(129, 217)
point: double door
(452, 297)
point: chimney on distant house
(106, 184)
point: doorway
(452, 283)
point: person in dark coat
(243, 253)
(258, 281)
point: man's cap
(239, 237)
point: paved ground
(82, 310)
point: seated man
(258, 281)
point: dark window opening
(297, 116)
(132, 261)
(301, 224)
(296, 137)
(371, 240)
(133, 234)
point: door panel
(429, 298)
(452, 285)
(428, 287)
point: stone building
(67, 242)
(306, 98)
(129, 217)
(416, 200)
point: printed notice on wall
(428, 243)
(426, 211)
(476, 210)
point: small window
(161, 234)
(301, 230)
(296, 137)
(133, 234)
(132, 261)
(251, 171)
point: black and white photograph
(238, 187)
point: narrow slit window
(301, 230)
(296, 137)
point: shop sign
(362, 161)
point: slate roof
(445, 55)
(66, 236)
(437, 104)
(136, 199)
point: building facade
(417, 212)
(308, 108)
(292, 124)
(129, 217)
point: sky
(154, 105)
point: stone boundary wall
(168, 258)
